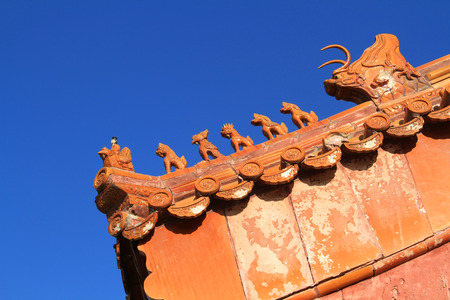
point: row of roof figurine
(114, 157)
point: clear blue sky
(75, 73)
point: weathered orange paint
(429, 161)
(268, 246)
(192, 260)
(317, 231)
(426, 277)
(332, 222)
(386, 189)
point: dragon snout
(330, 87)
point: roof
(306, 212)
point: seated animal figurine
(206, 148)
(237, 140)
(299, 116)
(170, 158)
(269, 128)
(116, 158)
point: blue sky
(75, 73)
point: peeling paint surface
(370, 144)
(149, 226)
(288, 173)
(425, 277)
(431, 175)
(268, 247)
(332, 158)
(335, 230)
(389, 195)
(198, 209)
(240, 193)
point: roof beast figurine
(237, 140)
(381, 74)
(170, 158)
(299, 116)
(269, 128)
(206, 147)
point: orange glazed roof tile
(305, 213)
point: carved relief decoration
(109, 198)
(381, 74)
(282, 176)
(157, 198)
(395, 107)
(189, 208)
(407, 129)
(160, 199)
(237, 140)
(299, 116)
(252, 170)
(372, 138)
(206, 148)
(207, 185)
(442, 113)
(132, 210)
(117, 224)
(365, 145)
(293, 155)
(269, 128)
(237, 192)
(378, 122)
(170, 158)
(324, 160)
(420, 106)
(141, 229)
(101, 178)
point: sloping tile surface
(383, 183)
(268, 247)
(192, 260)
(430, 164)
(335, 229)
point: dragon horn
(345, 63)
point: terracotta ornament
(206, 148)
(170, 158)
(407, 129)
(115, 157)
(189, 208)
(380, 75)
(252, 170)
(269, 128)
(442, 112)
(131, 210)
(207, 185)
(372, 138)
(277, 176)
(235, 192)
(412, 122)
(330, 154)
(237, 140)
(293, 155)
(299, 116)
